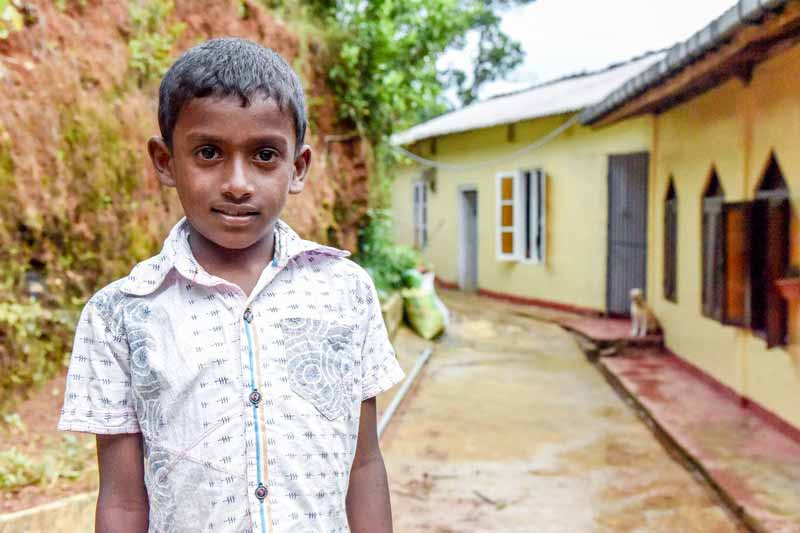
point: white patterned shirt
(248, 406)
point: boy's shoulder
(332, 261)
(319, 259)
(310, 258)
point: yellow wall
(576, 164)
(734, 127)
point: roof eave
(414, 140)
(729, 46)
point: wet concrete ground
(510, 429)
(752, 460)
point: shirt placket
(255, 397)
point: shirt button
(255, 398)
(261, 492)
(248, 315)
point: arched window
(757, 254)
(770, 254)
(713, 248)
(671, 243)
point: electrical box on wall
(429, 176)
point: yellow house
(724, 108)
(677, 172)
(509, 196)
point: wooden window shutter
(718, 307)
(510, 216)
(737, 221)
(777, 243)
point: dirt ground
(511, 429)
(39, 416)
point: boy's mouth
(235, 210)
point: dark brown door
(627, 229)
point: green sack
(423, 313)
(412, 278)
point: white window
(420, 214)
(521, 216)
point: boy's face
(233, 167)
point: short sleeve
(379, 367)
(98, 396)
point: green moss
(6, 167)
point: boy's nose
(237, 185)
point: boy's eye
(265, 156)
(207, 152)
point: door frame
(462, 234)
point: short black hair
(230, 66)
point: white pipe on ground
(398, 398)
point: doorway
(468, 238)
(627, 229)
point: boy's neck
(240, 267)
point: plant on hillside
(10, 18)
(29, 334)
(385, 261)
(66, 457)
(153, 38)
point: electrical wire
(528, 148)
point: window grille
(420, 214)
(713, 249)
(671, 244)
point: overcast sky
(566, 36)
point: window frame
(529, 216)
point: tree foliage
(497, 54)
(385, 56)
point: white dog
(643, 320)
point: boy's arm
(122, 505)
(368, 507)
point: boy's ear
(161, 157)
(301, 165)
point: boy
(231, 379)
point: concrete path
(510, 429)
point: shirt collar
(147, 276)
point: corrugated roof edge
(581, 74)
(682, 54)
(395, 140)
